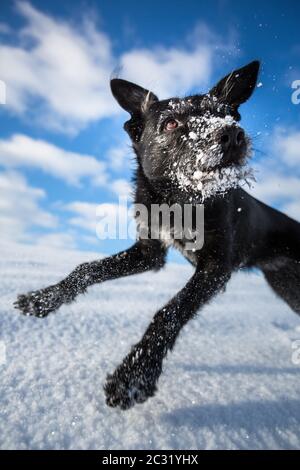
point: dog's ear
(131, 97)
(238, 86)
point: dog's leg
(285, 281)
(135, 378)
(142, 256)
(282, 267)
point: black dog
(192, 151)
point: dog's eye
(170, 124)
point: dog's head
(195, 143)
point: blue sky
(62, 147)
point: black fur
(240, 231)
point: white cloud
(23, 151)
(293, 209)
(121, 187)
(21, 211)
(58, 73)
(67, 67)
(87, 215)
(287, 147)
(118, 156)
(176, 70)
(20, 208)
(275, 187)
(168, 71)
(276, 184)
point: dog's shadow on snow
(244, 369)
(252, 417)
(251, 420)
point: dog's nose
(232, 136)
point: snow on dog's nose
(212, 139)
(215, 156)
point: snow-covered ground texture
(230, 382)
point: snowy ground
(230, 382)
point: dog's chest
(181, 245)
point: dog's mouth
(213, 181)
(233, 158)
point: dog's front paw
(39, 303)
(134, 381)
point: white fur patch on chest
(169, 241)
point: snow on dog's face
(195, 143)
